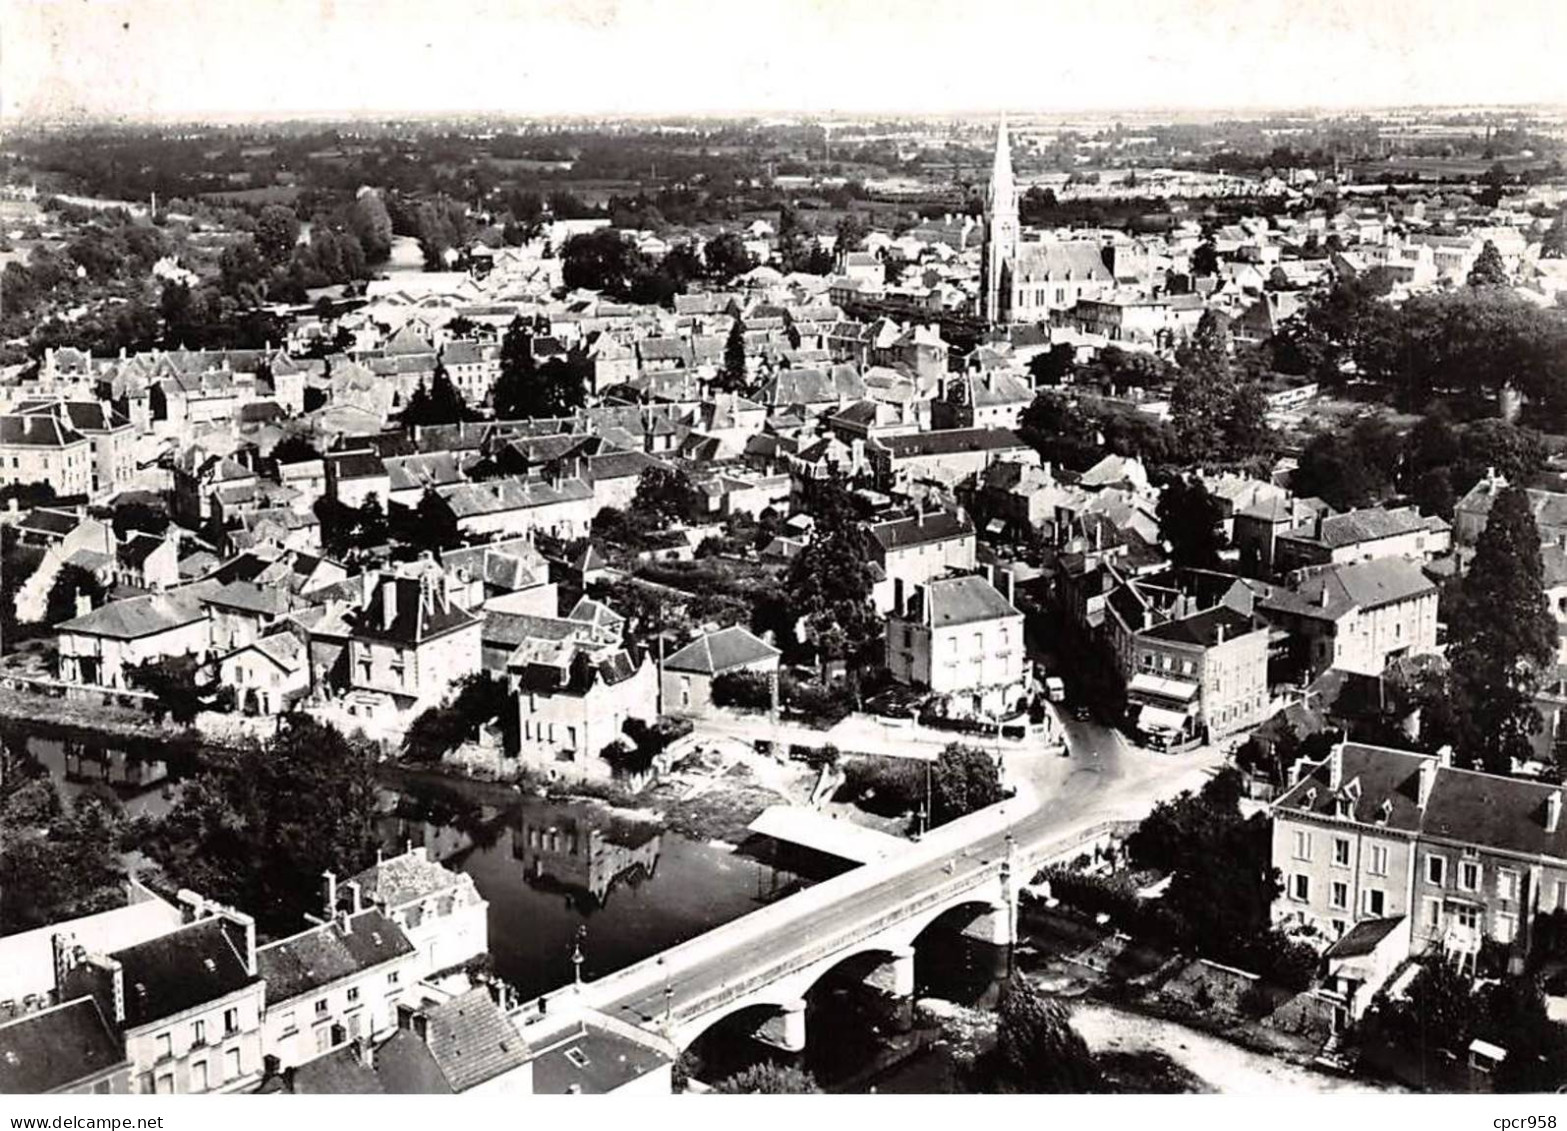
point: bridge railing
(947, 840)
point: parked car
(1055, 689)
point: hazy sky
(267, 57)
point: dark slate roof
(414, 618)
(405, 1067)
(950, 441)
(54, 1048)
(1383, 775)
(1368, 525)
(963, 600)
(721, 651)
(1364, 937)
(356, 465)
(1497, 812)
(1333, 591)
(322, 955)
(46, 520)
(338, 1073)
(138, 547)
(1203, 628)
(135, 617)
(926, 527)
(198, 963)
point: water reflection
(552, 869)
(583, 853)
(142, 775)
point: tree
(964, 779)
(177, 685)
(769, 1079)
(277, 231)
(259, 834)
(851, 232)
(1037, 1050)
(145, 517)
(733, 377)
(478, 700)
(831, 579)
(66, 869)
(440, 403)
(372, 225)
(1191, 522)
(527, 390)
(1489, 270)
(1205, 260)
(72, 584)
(1053, 366)
(372, 525)
(726, 257)
(664, 496)
(1553, 244)
(1501, 636)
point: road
(1103, 779)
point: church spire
(1003, 193)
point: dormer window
(1343, 807)
(1311, 797)
(1385, 810)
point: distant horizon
(1014, 114)
(159, 62)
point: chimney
(919, 515)
(388, 610)
(1322, 597)
(1316, 529)
(329, 894)
(1336, 767)
(1428, 768)
(355, 896)
(899, 599)
(1553, 810)
(1218, 634)
(345, 922)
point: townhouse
(1469, 859)
(917, 548)
(1361, 536)
(960, 637)
(1357, 618)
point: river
(559, 876)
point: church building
(1023, 277)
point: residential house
(1358, 617)
(918, 548)
(1467, 857)
(188, 1004)
(241, 612)
(961, 638)
(268, 674)
(39, 447)
(689, 673)
(146, 561)
(1470, 514)
(410, 641)
(518, 506)
(98, 647)
(352, 477)
(992, 399)
(464, 1045)
(440, 910)
(574, 696)
(1361, 536)
(336, 982)
(947, 458)
(111, 440)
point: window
(1436, 870)
(1433, 913)
(198, 1034)
(1507, 884)
(1341, 851)
(165, 1046)
(391, 978)
(100, 1087)
(230, 1022)
(1375, 900)
(1302, 844)
(353, 993)
(198, 1076)
(1467, 916)
(166, 1084)
(1504, 926)
(1339, 927)
(233, 1067)
(1338, 895)
(290, 1023)
(144, 1084)
(1300, 887)
(1469, 875)
(321, 1008)
(1378, 865)
(323, 1038)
